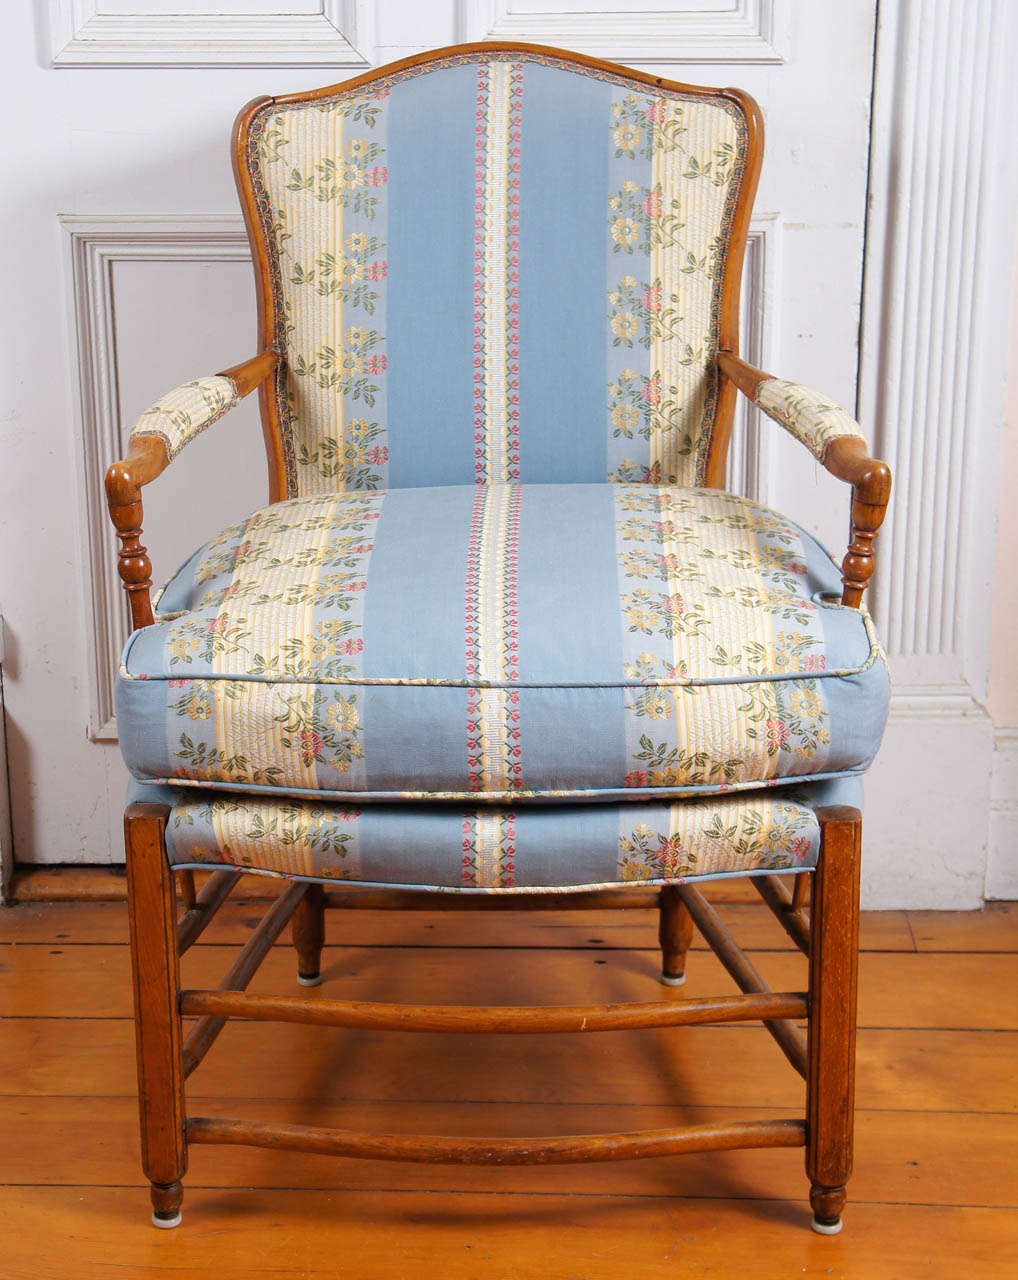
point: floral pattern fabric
(504, 642)
(423, 200)
(493, 849)
(814, 419)
(177, 417)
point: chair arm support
(837, 442)
(156, 439)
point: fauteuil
(500, 632)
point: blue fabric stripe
(430, 295)
(562, 276)
(414, 607)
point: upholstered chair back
(496, 266)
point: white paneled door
(125, 261)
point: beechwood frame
(820, 914)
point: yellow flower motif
(353, 177)
(617, 108)
(631, 186)
(358, 147)
(625, 231)
(628, 138)
(658, 707)
(629, 373)
(357, 243)
(351, 364)
(644, 830)
(613, 298)
(614, 203)
(625, 417)
(629, 282)
(626, 326)
(182, 646)
(356, 337)
(637, 869)
(641, 618)
(343, 715)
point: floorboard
(935, 1191)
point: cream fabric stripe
(728, 706)
(494, 560)
(316, 227)
(247, 725)
(701, 207)
(495, 337)
(488, 846)
(231, 827)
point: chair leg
(308, 931)
(155, 965)
(675, 933)
(833, 971)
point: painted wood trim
(750, 31)
(92, 247)
(341, 35)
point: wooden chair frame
(827, 932)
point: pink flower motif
(674, 605)
(656, 112)
(637, 778)
(653, 204)
(800, 847)
(652, 298)
(814, 662)
(378, 270)
(352, 646)
(778, 731)
(378, 364)
(177, 684)
(311, 743)
(378, 455)
(216, 626)
(379, 176)
(652, 390)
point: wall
(123, 221)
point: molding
(750, 453)
(936, 302)
(92, 247)
(342, 34)
(936, 702)
(1002, 855)
(747, 31)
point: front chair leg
(675, 933)
(308, 930)
(155, 964)
(833, 974)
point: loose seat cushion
(493, 848)
(504, 643)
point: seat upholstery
(491, 848)
(504, 642)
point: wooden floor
(935, 1193)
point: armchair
(500, 636)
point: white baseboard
(927, 823)
(1002, 854)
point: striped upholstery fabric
(491, 849)
(497, 267)
(177, 417)
(504, 642)
(814, 419)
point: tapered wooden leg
(675, 933)
(156, 970)
(308, 928)
(833, 970)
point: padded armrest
(814, 419)
(177, 417)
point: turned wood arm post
(846, 457)
(147, 458)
